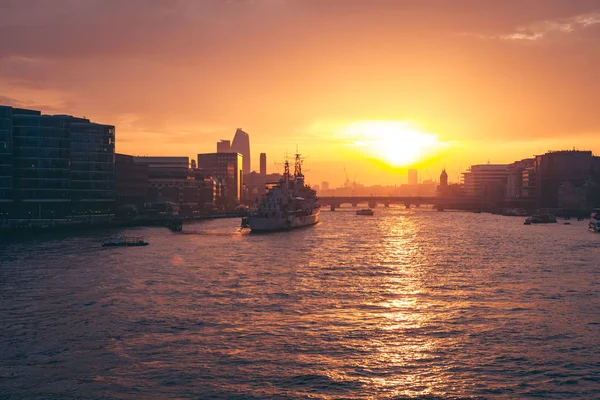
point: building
(515, 179)
(165, 167)
(131, 181)
(263, 163)
(6, 162)
(413, 177)
(226, 169)
(556, 168)
(54, 166)
(93, 180)
(224, 146)
(256, 185)
(485, 181)
(241, 144)
(324, 185)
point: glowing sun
(398, 143)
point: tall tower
(241, 144)
(224, 146)
(263, 164)
(444, 179)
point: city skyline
(462, 83)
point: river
(404, 304)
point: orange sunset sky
(373, 86)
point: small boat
(541, 218)
(125, 242)
(365, 211)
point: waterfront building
(54, 166)
(226, 168)
(485, 181)
(324, 185)
(223, 146)
(256, 185)
(93, 181)
(558, 167)
(6, 162)
(263, 164)
(41, 160)
(241, 144)
(165, 167)
(131, 181)
(529, 184)
(514, 179)
(413, 177)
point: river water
(404, 304)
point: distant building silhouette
(224, 146)
(413, 177)
(443, 178)
(226, 169)
(263, 164)
(132, 181)
(324, 185)
(241, 144)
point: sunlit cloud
(540, 30)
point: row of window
(51, 164)
(44, 152)
(93, 157)
(36, 142)
(95, 176)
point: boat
(365, 211)
(540, 218)
(122, 241)
(594, 224)
(288, 204)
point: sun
(398, 143)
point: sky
(454, 82)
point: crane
(347, 183)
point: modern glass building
(6, 162)
(41, 164)
(54, 166)
(93, 183)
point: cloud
(544, 29)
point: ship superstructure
(289, 204)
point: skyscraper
(412, 177)
(224, 146)
(263, 164)
(241, 144)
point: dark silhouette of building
(164, 167)
(93, 181)
(226, 168)
(224, 146)
(61, 165)
(263, 164)
(241, 144)
(6, 161)
(443, 179)
(132, 181)
(556, 168)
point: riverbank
(35, 226)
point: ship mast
(298, 166)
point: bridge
(439, 203)
(374, 201)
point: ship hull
(271, 224)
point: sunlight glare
(398, 143)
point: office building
(131, 181)
(263, 164)
(54, 166)
(224, 146)
(93, 181)
(413, 177)
(6, 161)
(165, 167)
(241, 144)
(485, 180)
(226, 168)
